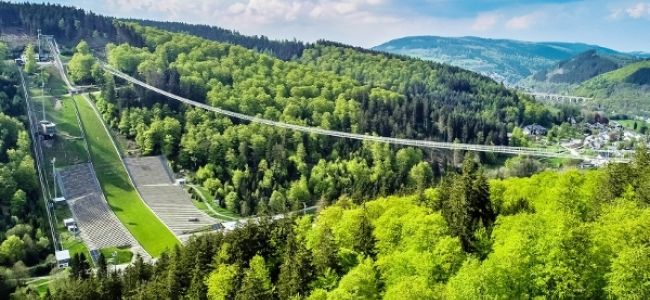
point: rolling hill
(580, 68)
(390, 223)
(503, 60)
(626, 88)
(284, 49)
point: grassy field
(202, 206)
(621, 90)
(75, 245)
(123, 255)
(40, 285)
(206, 200)
(629, 124)
(67, 146)
(152, 234)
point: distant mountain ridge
(502, 59)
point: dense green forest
(65, 23)
(69, 25)
(393, 222)
(284, 50)
(257, 169)
(439, 101)
(572, 234)
(24, 244)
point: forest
(66, 23)
(69, 25)
(285, 49)
(392, 222)
(571, 234)
(253, 169)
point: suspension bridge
(512, 150)
(528, 151)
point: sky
(622, 25)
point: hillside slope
(284, 49)
(626, 89)
(331, 86)
(69, 25)
(571, 234)
(503, 60)
(582, 67)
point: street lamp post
(115, 261)
(43, 93)
(51, 203)
(54, 176)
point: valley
(615, 80)
(165, 160)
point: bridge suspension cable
(54, 50)
(539, 152)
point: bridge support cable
(538, 152)
(54, 50)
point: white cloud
(371, 22)
(236, 8)
(615, 13)
(635, 11)
(129, 5)
(639, 10)
(524, 21)
(485, 22)
(359, 22)
(345, 7)
(316, 12)
(252, 11)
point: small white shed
(62, 258)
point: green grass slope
(152, 234)
(624, 74)
(626, 89)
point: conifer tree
(256, 283)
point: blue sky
(622, 25)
